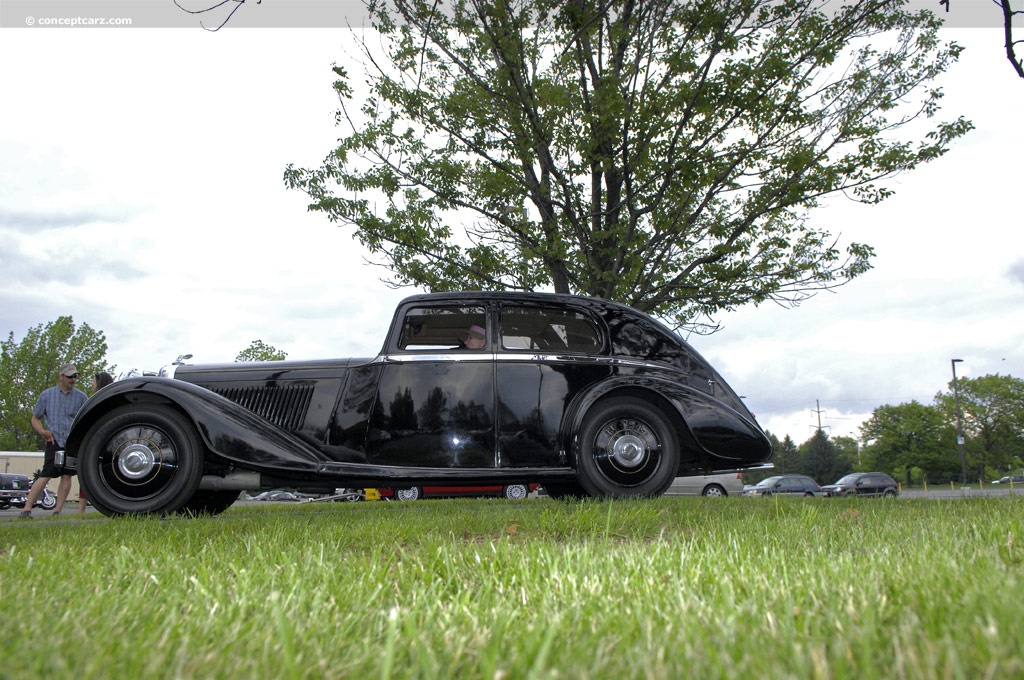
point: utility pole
(959, 424)
(819, 411)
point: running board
(234, 481)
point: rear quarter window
(549, 329)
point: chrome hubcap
(136, 461)
(628, 451)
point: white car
(726, 484)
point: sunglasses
(72, 377)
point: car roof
(469, 296)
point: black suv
(864, 484)
(799, 485)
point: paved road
(940, 492)
(969, 492)
(70, 510)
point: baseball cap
(68, 369)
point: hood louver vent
(283, 406)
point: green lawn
(662, 588)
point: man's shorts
(50, 468)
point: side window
(548, 329)
(443, 328)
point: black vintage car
(584, 396)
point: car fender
(721, 433)
(230, 431)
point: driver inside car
(475, 338)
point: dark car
(13, 489)
(415, 493)
(863, 484)
(793, 485)
(581, 395)
(1010, 479)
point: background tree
(30, 366)
(261, 351)
(993, 421)
(662, 154)
(786, 457)
(823, 460)
(848, 451)
(784, 452)
(909, 440)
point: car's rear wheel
(714, 490)
(627, 448)
(141, 459)
(515, 491)
(209, 502)
(889, 493)
(413, 493)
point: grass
(662, 588)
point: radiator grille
(283, 406)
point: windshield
(768, 482)
(848, 479)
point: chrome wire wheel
(515, 491)
(413, 493)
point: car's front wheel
(627, 448)
(141, 459)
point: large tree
(665, 154)
(1011, 14)
(912, 436)
(30, 366)
(993, 421)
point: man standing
(58, 406)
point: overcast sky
(141, 192)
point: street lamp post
(959, 424)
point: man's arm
(37, 425)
